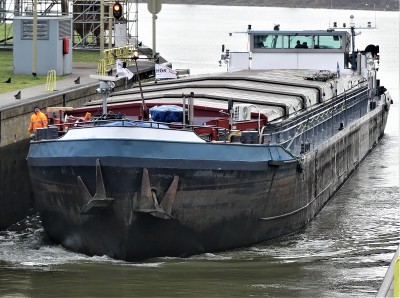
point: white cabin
(323, 50)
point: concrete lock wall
(16, 200)
(14, 121)
(54, 45)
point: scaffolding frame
(86, 16)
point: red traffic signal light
(117, 10)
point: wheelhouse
(303, 41)
(317, 50)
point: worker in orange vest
(38, 120)
(88, 116)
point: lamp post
(34, 39)
(353, 34)
(144, 113)
(154, 7)
(101, 29)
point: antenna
(248, 38)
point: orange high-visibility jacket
(38, 120)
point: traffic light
(117, 10)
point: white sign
(120, 34)
(121, 71)
(164, 72)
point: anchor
(148, 201)
(99, 201)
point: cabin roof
(298, 32)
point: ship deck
(275, 93)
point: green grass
(17, 81)
(86, 56)
(23, 81)
(6, 32)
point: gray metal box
(51, 46)
(52, 132)
(41, 134)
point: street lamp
(144, 112)
(135, 54)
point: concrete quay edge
(34, 93)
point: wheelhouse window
(268, 41)
(328, 42)
(297, 41)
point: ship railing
(307, 133)
(209, 133)
(348, 98)
(80, 122)
(124, 122)
(99, 121)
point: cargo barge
(213, 162)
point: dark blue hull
(212, 210)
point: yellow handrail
(101, 67)
(123, 53)
(51, 80)
(397, 278)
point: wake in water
(25, 245)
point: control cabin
(323, 50)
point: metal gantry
(86, 16)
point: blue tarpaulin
(167, 113)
